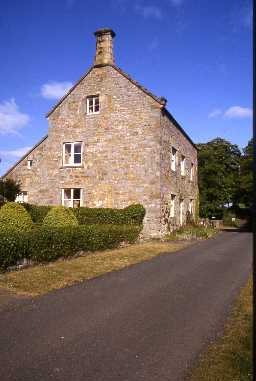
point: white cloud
(237, 112)
(55, 90)
(15, 153)
(149, 11)
(215, 113)
(11, 119)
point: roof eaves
(24, 156)
(174, 121)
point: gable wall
(121, 162)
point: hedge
(130, 215)
(44, 244)
(15, 217)
(37, 212)
(59, 216)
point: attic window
(29, 164)
(173, 159)
(93, 104)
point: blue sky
(195, 53)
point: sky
(195, 53)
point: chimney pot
(104, 47)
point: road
(147, 322)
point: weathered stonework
(126, 151)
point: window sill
(93, 113)
(72, 166)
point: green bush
(192, 232)
(45, 244)
(15, 216)
(59, 216)
(13, 246)
(37, 212)
(229, 219)
(132, 214)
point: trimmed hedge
(15, 217)
(37, 212)
(45, 244)
(130, 215)
(59, 216)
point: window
(181, 211)
(182, 165)
(29, 164)
(190, 206)
(93, 104)
(72, 197)
(172, 205)
(72, 154)
(191, 172)
(173, 159)
(22, 197)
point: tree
(245, 191)
(9, 189)
(218, 173)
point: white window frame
(29, 163)
(22, 197)
(93, 97)
(72, 164)
(63, 199)
(182, 166)
(192, 172)
(190, 206)
(172, 205)
(181, 211)
(173, 158)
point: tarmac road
(147, 322)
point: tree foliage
(218, 173)
(9, 189)
(245, 191)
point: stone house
(112, 143)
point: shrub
(229, 218)
(59, 216)
(37, 212)
(45, 244)
(15, 216)
(132, 214)
(192, 232)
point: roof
(160, 100)
(24, 156)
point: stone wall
(171, 182)
(121, 145)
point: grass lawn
(230, 357)
(44, 278)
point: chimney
(104, 47)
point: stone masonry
(126, 148)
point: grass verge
(230, 357)
(44, 278)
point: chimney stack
(104, 47)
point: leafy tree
(218, 172)
(9, 189)
(245, 191)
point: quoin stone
(112, 143)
